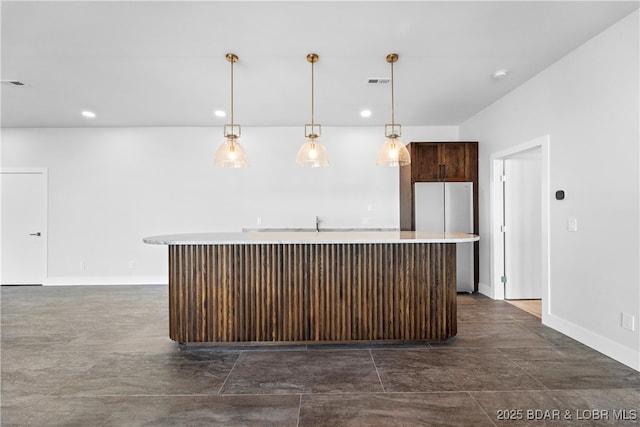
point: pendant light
(312, 153)
(231, 154)
(393, 152)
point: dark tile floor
(100, 356)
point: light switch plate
(628, 321)
(572, 224)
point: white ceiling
(142, 63)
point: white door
(23, 229)
(522, 216)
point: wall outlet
(83, 266)
(628, 321)
(132, 265)
(366, 220)
(259, 221)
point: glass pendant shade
(393, 153)
(231, 155)
(312, 154)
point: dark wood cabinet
(439, 162)
(425, 162)
(455, 160)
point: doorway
(521, 198)
(24, 227)
(520, 224)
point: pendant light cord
(312, 95)
(232, 61)
(393, 103)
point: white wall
(588, 102)
(110, 187)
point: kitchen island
(312, 287)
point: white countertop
(310, 237)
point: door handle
(36, 234)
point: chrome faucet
(317, 224)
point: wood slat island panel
(324, 292)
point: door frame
(45, 183)
(496, 245)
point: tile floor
(100, 356)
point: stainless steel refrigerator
(448, 207)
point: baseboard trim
(485, 290)
(625, 355)
(105, 280)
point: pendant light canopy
(393, 152)
(312, 153)
(231, 154)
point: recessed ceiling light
(365, 113)
(220, 113)
(89, 114)
(500, 74)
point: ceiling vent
(12, 82)
(379, 80)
